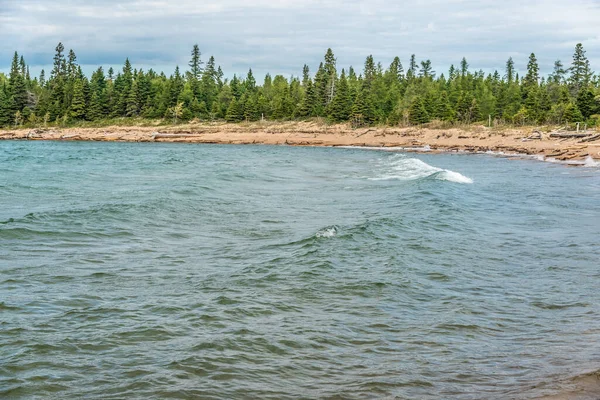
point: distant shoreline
(476, 139)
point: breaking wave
(408, 169)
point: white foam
(590, 162)
(403, 168)
(456, 177)
(328, 232)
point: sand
(471, 139)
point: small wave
(327, 232)
(408, 169)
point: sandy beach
(526, 141)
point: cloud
(280, 36)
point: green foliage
(341, 105)
(78, 106)
(417, 112)
(572, 114)
(234, 111)
(371, 95)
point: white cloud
(280, 36)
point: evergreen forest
(397, 94)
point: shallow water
(197, 271)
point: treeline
(375, 95)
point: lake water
(156, 271)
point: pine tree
(305, 75)
(558, 74)
(18, 89)
(5, 108)
(572, 114)
(580, 70)
(250, 82)
(233, 112)
(133, 102)
(208, 84)
(412, 69)
(586, 103)
(308, 102)
(341, 104)
(251, 108)
(533, 72)
(77, 109)
(96, 108)
(426, 69)
(444, 110)
(464, 67)
(417, 113)
(196, 64)
(510, 70)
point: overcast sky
(280, 36)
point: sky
(281, 36)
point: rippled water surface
(157, 271)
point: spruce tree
(196, 64)
(308, 102)
(77, 109)
(580, 70)
(417, 114)
(208, 84)
(572, 114)
(233, 112)
(586, 103)
(444, 110)
(96, 108)
(251, 108)
(133, 102)
(341, 105)
(5, 108)
(18, 89)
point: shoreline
(524, 142)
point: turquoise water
(154, 271)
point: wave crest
(408, 169)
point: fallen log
(365, 132)
(174, 135)
(569, 135)
(591, 138)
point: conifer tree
(251, 108)
(233, 111)
(250, 82)
(412, 69)
(196, 64)
(444, 110)
(572, 114)
(133, 103)
(342, 104)
(78, 107)
(580, 70)
(417, 113)
(586, 103)
(510, 70)
(308, 102)
(18, 89)
(208, 85)
(5, 108)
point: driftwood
(365, 132)
(535, 135)
(569, 135)
(173, 135)
(557, 153)
(591, 139)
